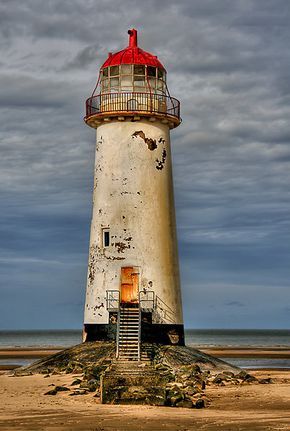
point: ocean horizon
(193, 337)
(198, 338)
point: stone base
(133, 383)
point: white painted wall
(135, 200)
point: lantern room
(133, 77)
(131, 82)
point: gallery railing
(130, 102)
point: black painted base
(168, 334)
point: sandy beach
(231, 408)
(23, 405)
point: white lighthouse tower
(133, 287)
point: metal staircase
(129, 334)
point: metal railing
(164, 312)
(147, 300)
(118, 335)
(113, 300)
(139, 333)
(132, 102)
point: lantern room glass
(135, 78)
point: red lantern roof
(132, 55)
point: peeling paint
(121, 246)
(96, 307)
(151, 143)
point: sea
(198, 338)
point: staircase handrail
(113, 300)
(144, 297)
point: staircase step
(128, 349)
(128, 333)
(130, 310)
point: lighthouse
(133, 288)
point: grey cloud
(235, 304)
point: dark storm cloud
(228, 62)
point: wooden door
(129, 284)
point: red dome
(132, 55)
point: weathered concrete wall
(133, 197)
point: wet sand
(248, 352)
(23, 406)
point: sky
(228, 63)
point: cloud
(234, 304)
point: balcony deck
(132, 104)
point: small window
(160, 74)
(152, 82)
(160, 84)
(106, 237)
(126, 69)
(151, 71)
(114, 70)
(139, 81)
(139, 69)
(105, 84)
(105, 72)
(114, 83)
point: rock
(217, 380)
(245, 377)
(94, 372)
(228, 373)
(47, 375)
(51, 392)
(190, 390)
(175, 399)
(92, 385)
(162, 367)
(199, 404)
(185, 404)
(266, 381)
(78, 392)
(195, 369)
(61, 389)
(250, 379)
(76, 382)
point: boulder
(187, 403)
(51, 392)
(76, 382)
(61, 389)
(199, 404)
(266, 381)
